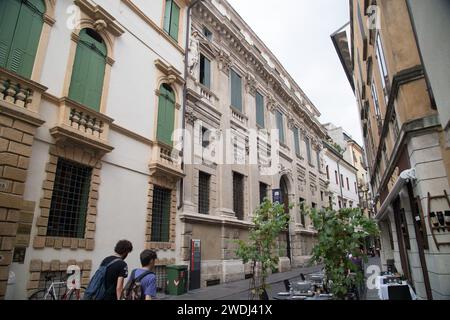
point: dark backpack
(133, 289)
(96, 289)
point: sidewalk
(239, 290)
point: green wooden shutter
(259, 110)
(236, 91)
(88, 72)
(166, 115)
(280, 126)
(296, 140)
(167, 11)
(174, 21)
(9, 14)
(205, 70)
(26, 37)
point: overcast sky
(298, 33)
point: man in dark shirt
(118, 271)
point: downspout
(186, 71)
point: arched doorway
(284, 187)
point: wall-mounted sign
(276, 196)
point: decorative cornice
(224, 61)
(172, 74)
(103, 20)
(251, 84)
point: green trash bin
(176, 280)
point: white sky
(298, 33)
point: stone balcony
(165, 161)
(20, 98)
(82, 126)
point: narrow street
(239, 290)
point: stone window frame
(81, 156)
(93, 16)
(163, 182)
(38, 266)
(212, 188)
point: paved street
(239, 290)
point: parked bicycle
(53, 290)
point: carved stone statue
(194, 53)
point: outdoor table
(383, 289)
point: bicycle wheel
(40, 295)
(76, 294)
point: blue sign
(276, 196)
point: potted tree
(269, 220)
(340, 236)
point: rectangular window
(308, 150)
(260, 110)
(348, 185)
(328, 173)
(205, 71)
(262, 192)
(70, 199)
(381, 58)
(203, 192)
(238, 195)
(236, 91)
(296, 133)
(337, 180)
(302, 212)
(321, 195)
(342, 180)
(205, 138)
(207, 33)
(376, 102)
(280, 126)
(172, 19)
(356, 188)
(161, 215)
(318, 160)
(361, 24)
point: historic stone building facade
(404, 127)
(341, 170)
(90, 92)
(237, 88)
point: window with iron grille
(161, 214)
(161, 278)
(262, 192)
(238, 195)
(59, 279)
(70, 199)
(203, 192)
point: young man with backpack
(107, 282)
(142, 282)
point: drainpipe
(183, 124)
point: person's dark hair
(123, 247)
(147, 256)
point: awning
(404, 178)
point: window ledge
(58, 243)
(160, 245)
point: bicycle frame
(51, 290)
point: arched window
(166, 114)
(88, 72)
(21, 24)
